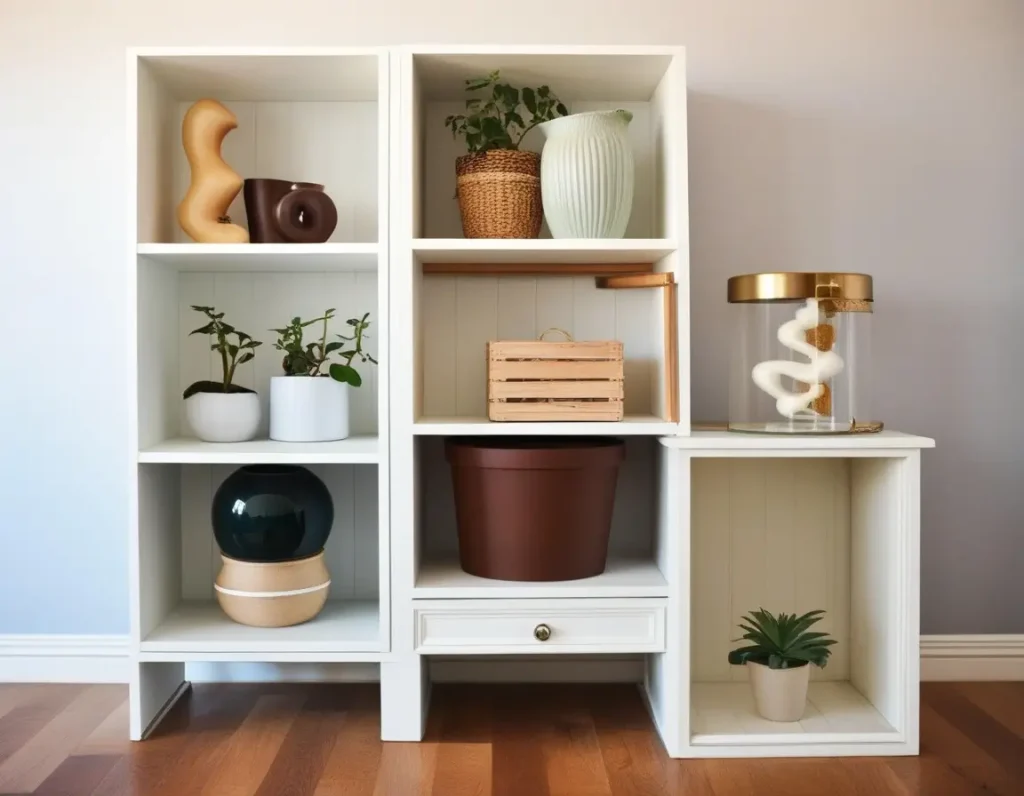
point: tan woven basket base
(499, 194)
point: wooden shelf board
(210, 257)
(361, 449)
(438, 580)
(542, 250)
(537, 269)
(717, 441)
(200, 627)
(723, 714)
(457, 426)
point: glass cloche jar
(800, 353)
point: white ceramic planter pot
(223, 417)
(308, 409)
(586, 175)
(779, 694)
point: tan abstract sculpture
(203, 211)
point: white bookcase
(707, 525)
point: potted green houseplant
(497, 184)
(222, 411)
(310, 402)
(778, 660)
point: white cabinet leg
(153, 690)
(404, 698)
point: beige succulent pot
(779, 694)
(275, 594)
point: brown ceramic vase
(280, 211)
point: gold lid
(794, 285)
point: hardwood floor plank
(940, 738)
(77, 775)
(26, 769)
(40, 705)
(303, 755)
(252, 748)
(633, 758)
(518, 765)
(352, 768)
(464, 756)
(574, 763)
(927, 775)
(1002, 701)
(110, 735)
(996, 739)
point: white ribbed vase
(586, 175)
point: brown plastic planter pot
(537, 509)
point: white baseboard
(64, 659)
(105, 659)
(985, 657)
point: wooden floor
(285, 740)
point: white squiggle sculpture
(823, 365)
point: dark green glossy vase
(271, 512)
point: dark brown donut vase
(280, 211)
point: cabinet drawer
(467, 627)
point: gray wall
(865, 135)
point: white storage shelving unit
(707, 525)
(308, 115)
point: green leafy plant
(232, 354)
(494, 121)
(308, 359)
(783, 641)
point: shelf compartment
(200, 628)
(794, 534)
(623, 577)
(723, 714)
(255, 301)
(259, 257)
(360, 449)
(648, 83)
(292, 111)
(178, 562)
(480, 252)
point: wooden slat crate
(536, 380)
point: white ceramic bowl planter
(586, 175)
(779, 694)
(308, 409)
(223, 416)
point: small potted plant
(498, 186)
(310, 402)
(222, 411)
(778, 660)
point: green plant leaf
(332, 347)
(513, 118)
(346, 374)
(208, 329)
(232, 350)
(530, 100)
(543, 92)
(248, 355)
(562, 110)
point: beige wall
(877, 135)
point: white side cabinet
(707, 526)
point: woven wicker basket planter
(499, 194)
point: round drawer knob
(542, 632)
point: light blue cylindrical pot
(586, 175)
